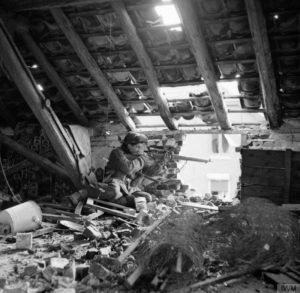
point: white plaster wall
(195, 174)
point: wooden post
(92, 66)
(33, 157)
(288, 170)
(259, 33)
(23, 32)
(13, 62)
(145, 61)
(141, 238)
(204, 62)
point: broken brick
(90, 254)
(58, 263)
(24, 241)
(30, 270)
(92, 232)
(99, 271)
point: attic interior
(197, 100)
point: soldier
(125, 168)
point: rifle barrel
(183, 158)
(192, 159)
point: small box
(24, 241)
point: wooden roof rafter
(40, 106)
(92, 66)
(67, 96)
(23, 5)
(33, 157)
(204, 62)
(258, 29)
(145, 62)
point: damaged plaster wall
(282, 139)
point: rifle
(168, 155)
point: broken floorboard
(91, 203)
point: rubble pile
(100, 246)
(75, 252)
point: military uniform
(123, 173)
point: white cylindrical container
(22, 217)
(140, 203)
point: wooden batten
(13, 62)
(92, 66)
(52, 74)
(33, 157)
(145, 62)
(203, 59)
(6, 115)
(22, 5)
(259, 33)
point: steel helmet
(134, 138)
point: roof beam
(259, 33)
(32, 156)
(21, 5)
(203, 59)
(14, 64)
(92, 66)
(23, 32)
(145, 62)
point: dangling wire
(7, 183)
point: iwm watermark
(288, 288)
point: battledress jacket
(122, 169)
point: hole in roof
(40, 87)
(168, 14)
(228, 89)
(177, 28)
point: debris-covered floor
(198, 247)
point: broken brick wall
(26, 178)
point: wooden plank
(263, 176)
(13, 62)
(141, 238)
(92, 66)
(145, 62)
(33, 157)
(67, 96)
(131, 280)
(272, 193)
(287, 181)
(43, 231)
(198, 206)
(222, 278)
(291, 207)
(21, 5)
(264, 63)
(236, 130)
(91, 203)
(263, 158)
(196, 113)
(203, 59)
(295, 195)
(278, 278)
(296, 158)
(110, 204)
